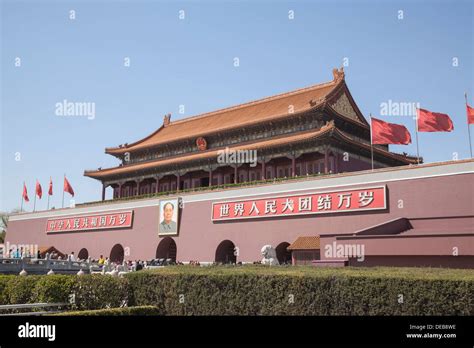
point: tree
(3, 226)
(4, 223)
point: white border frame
(384, 187)
(177, 199)
(90, 229)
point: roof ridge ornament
(320, 100)
(329, 124)
(338, 74)
(166, 120)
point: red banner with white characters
(121, 219)
(373, 198)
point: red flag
(39, 190)
(25, 193)
(433, 121)
(389, 133)
(50, 190)
(68, 187)
(470, 114)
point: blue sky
(190, 62)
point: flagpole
(371, 145)
(63, 188)
(34, 201)
(22, 198)
(48, 192)
(417, 146)
(468, 126)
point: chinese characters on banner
(90, 222)
(314, 203)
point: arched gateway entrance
(283, 255)
(117, 254)
(166, 249)
(83, 254)
(225, 252)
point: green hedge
(125, 311)
(4, 280)
(256, 291)
(99, 291)
(89, 291)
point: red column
(293, 166)
(210, 177)
(236, 179)
(178, 179)
(157, 188)
(138, 187)
(263, 170)
(120, 190)
(326, 161)
(103, 192)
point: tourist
(101, 260)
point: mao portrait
(168, 217)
